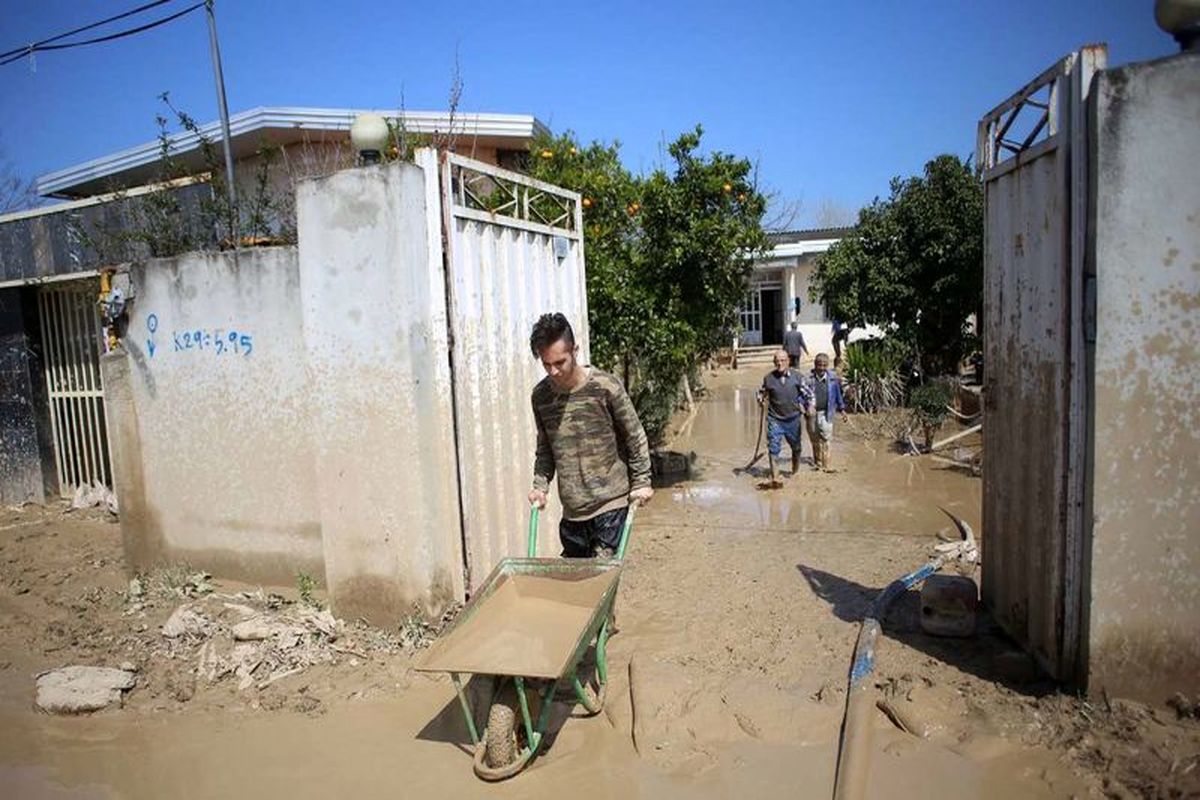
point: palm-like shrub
(872, 376)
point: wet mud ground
(737, 614)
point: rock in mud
(259, 629)
(185, 622)
(256, 629)
(78, 690)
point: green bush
(930, 407)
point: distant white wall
(792, 266)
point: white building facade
(778, 292)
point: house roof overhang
(248, 130)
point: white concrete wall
(1145, 549)
(208, 417)
(378, 353)
(286, 410)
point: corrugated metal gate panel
(1026, 371)
(1035, 187)
(72, 338)
(504, 272)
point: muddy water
(736, 619)
(412, 747)
(875, 490)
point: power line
(137, 10)
(46, 44)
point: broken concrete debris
(79, 690)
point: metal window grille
(73, 339)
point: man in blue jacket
(826, 391)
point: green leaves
(914, 264)
(667, 257)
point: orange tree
(668, 255)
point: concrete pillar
(141, 529)
(375, 332)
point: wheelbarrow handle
(535, 513)
(633, 507)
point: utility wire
(137, 10)
(18, 54)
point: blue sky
(830, 99)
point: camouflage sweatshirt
(592, 439)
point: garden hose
(854, 744)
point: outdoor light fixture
(1181, 19)
(369, 135)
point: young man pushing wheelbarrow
(589, 435)
(533, 621)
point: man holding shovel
(786, 397)
(589, 435)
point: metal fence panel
(514, 252)
(72, 339)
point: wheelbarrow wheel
(500, 740)
(499, 754)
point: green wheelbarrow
(529, 627)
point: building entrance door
(772, 316)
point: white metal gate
(72, 340)
(1032, 149)
(514, 251)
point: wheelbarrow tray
(533, 618)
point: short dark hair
(549, 329)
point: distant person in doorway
(841, 335)
(826, 390)
(785, 396)
(590, 437)
(793, 343)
